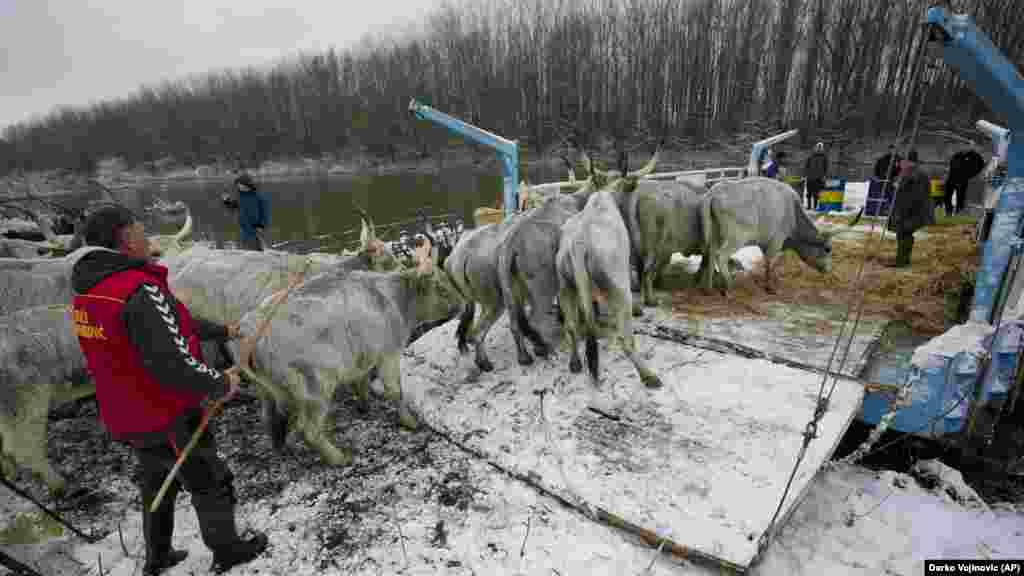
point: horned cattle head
(379, 255)
(817, 251)
(437, 297)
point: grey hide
(332, 330)
(760, 212)
(526, 273)
(473, 268)
(662, 218)
(14, 248)
(25, 283)
(593, 262)
(41, 365)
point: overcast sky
(74, 52)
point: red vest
(131, 400)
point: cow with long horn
(592, 266)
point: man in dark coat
(963, 166)
(883, 169)
(815, 172)
(912, 207)
(253, 212)
(141, 346)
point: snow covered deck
(701, 463)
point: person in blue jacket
(253, 212)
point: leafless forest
(697, 71)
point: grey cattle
(526, 274)
(593, 263)
(333, 329)
(223, 285)
(760, 212)
(662, 218)
(473, 268)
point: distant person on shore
(912, 208)
(815, 172)
(963, 166)
(769, 166)
(253, 212)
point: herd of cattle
(354, 313)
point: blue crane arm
(991, 75)
(997, 80)
(508, 150)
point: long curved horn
(186, 229)
(367, 233)
(571, 168)
(647, 168)
(849, 227)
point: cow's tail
(582, 281)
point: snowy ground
(415, 504)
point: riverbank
(855, 161)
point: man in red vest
(141, 346)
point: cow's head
(379, 255)
(437, 298)
(817, 251)
(443, 236)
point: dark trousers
(814, 187)
(252, 243)
(960, 187)
(204, 475)
(904, 246)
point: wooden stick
(245, 350)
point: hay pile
(917, 295)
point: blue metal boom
(508, 150)
(998, 81)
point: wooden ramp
(701, 462)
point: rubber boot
(157, 529)
(906, 246)
(216, 513)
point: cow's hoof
(542, 351)
(524, 358)
(651, 381)
(484, 364)
(407, 420)
(339, 457)
(575, 366)
(58, 488)
(362, 406)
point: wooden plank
(702, 461)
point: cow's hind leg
(487, 319)
(312, 421)
(465, 321)
(276, 422)
(569, 304)
(624, 329)
(519, 325)
(391, 376)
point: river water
(305, 207)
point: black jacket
(882, 164)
